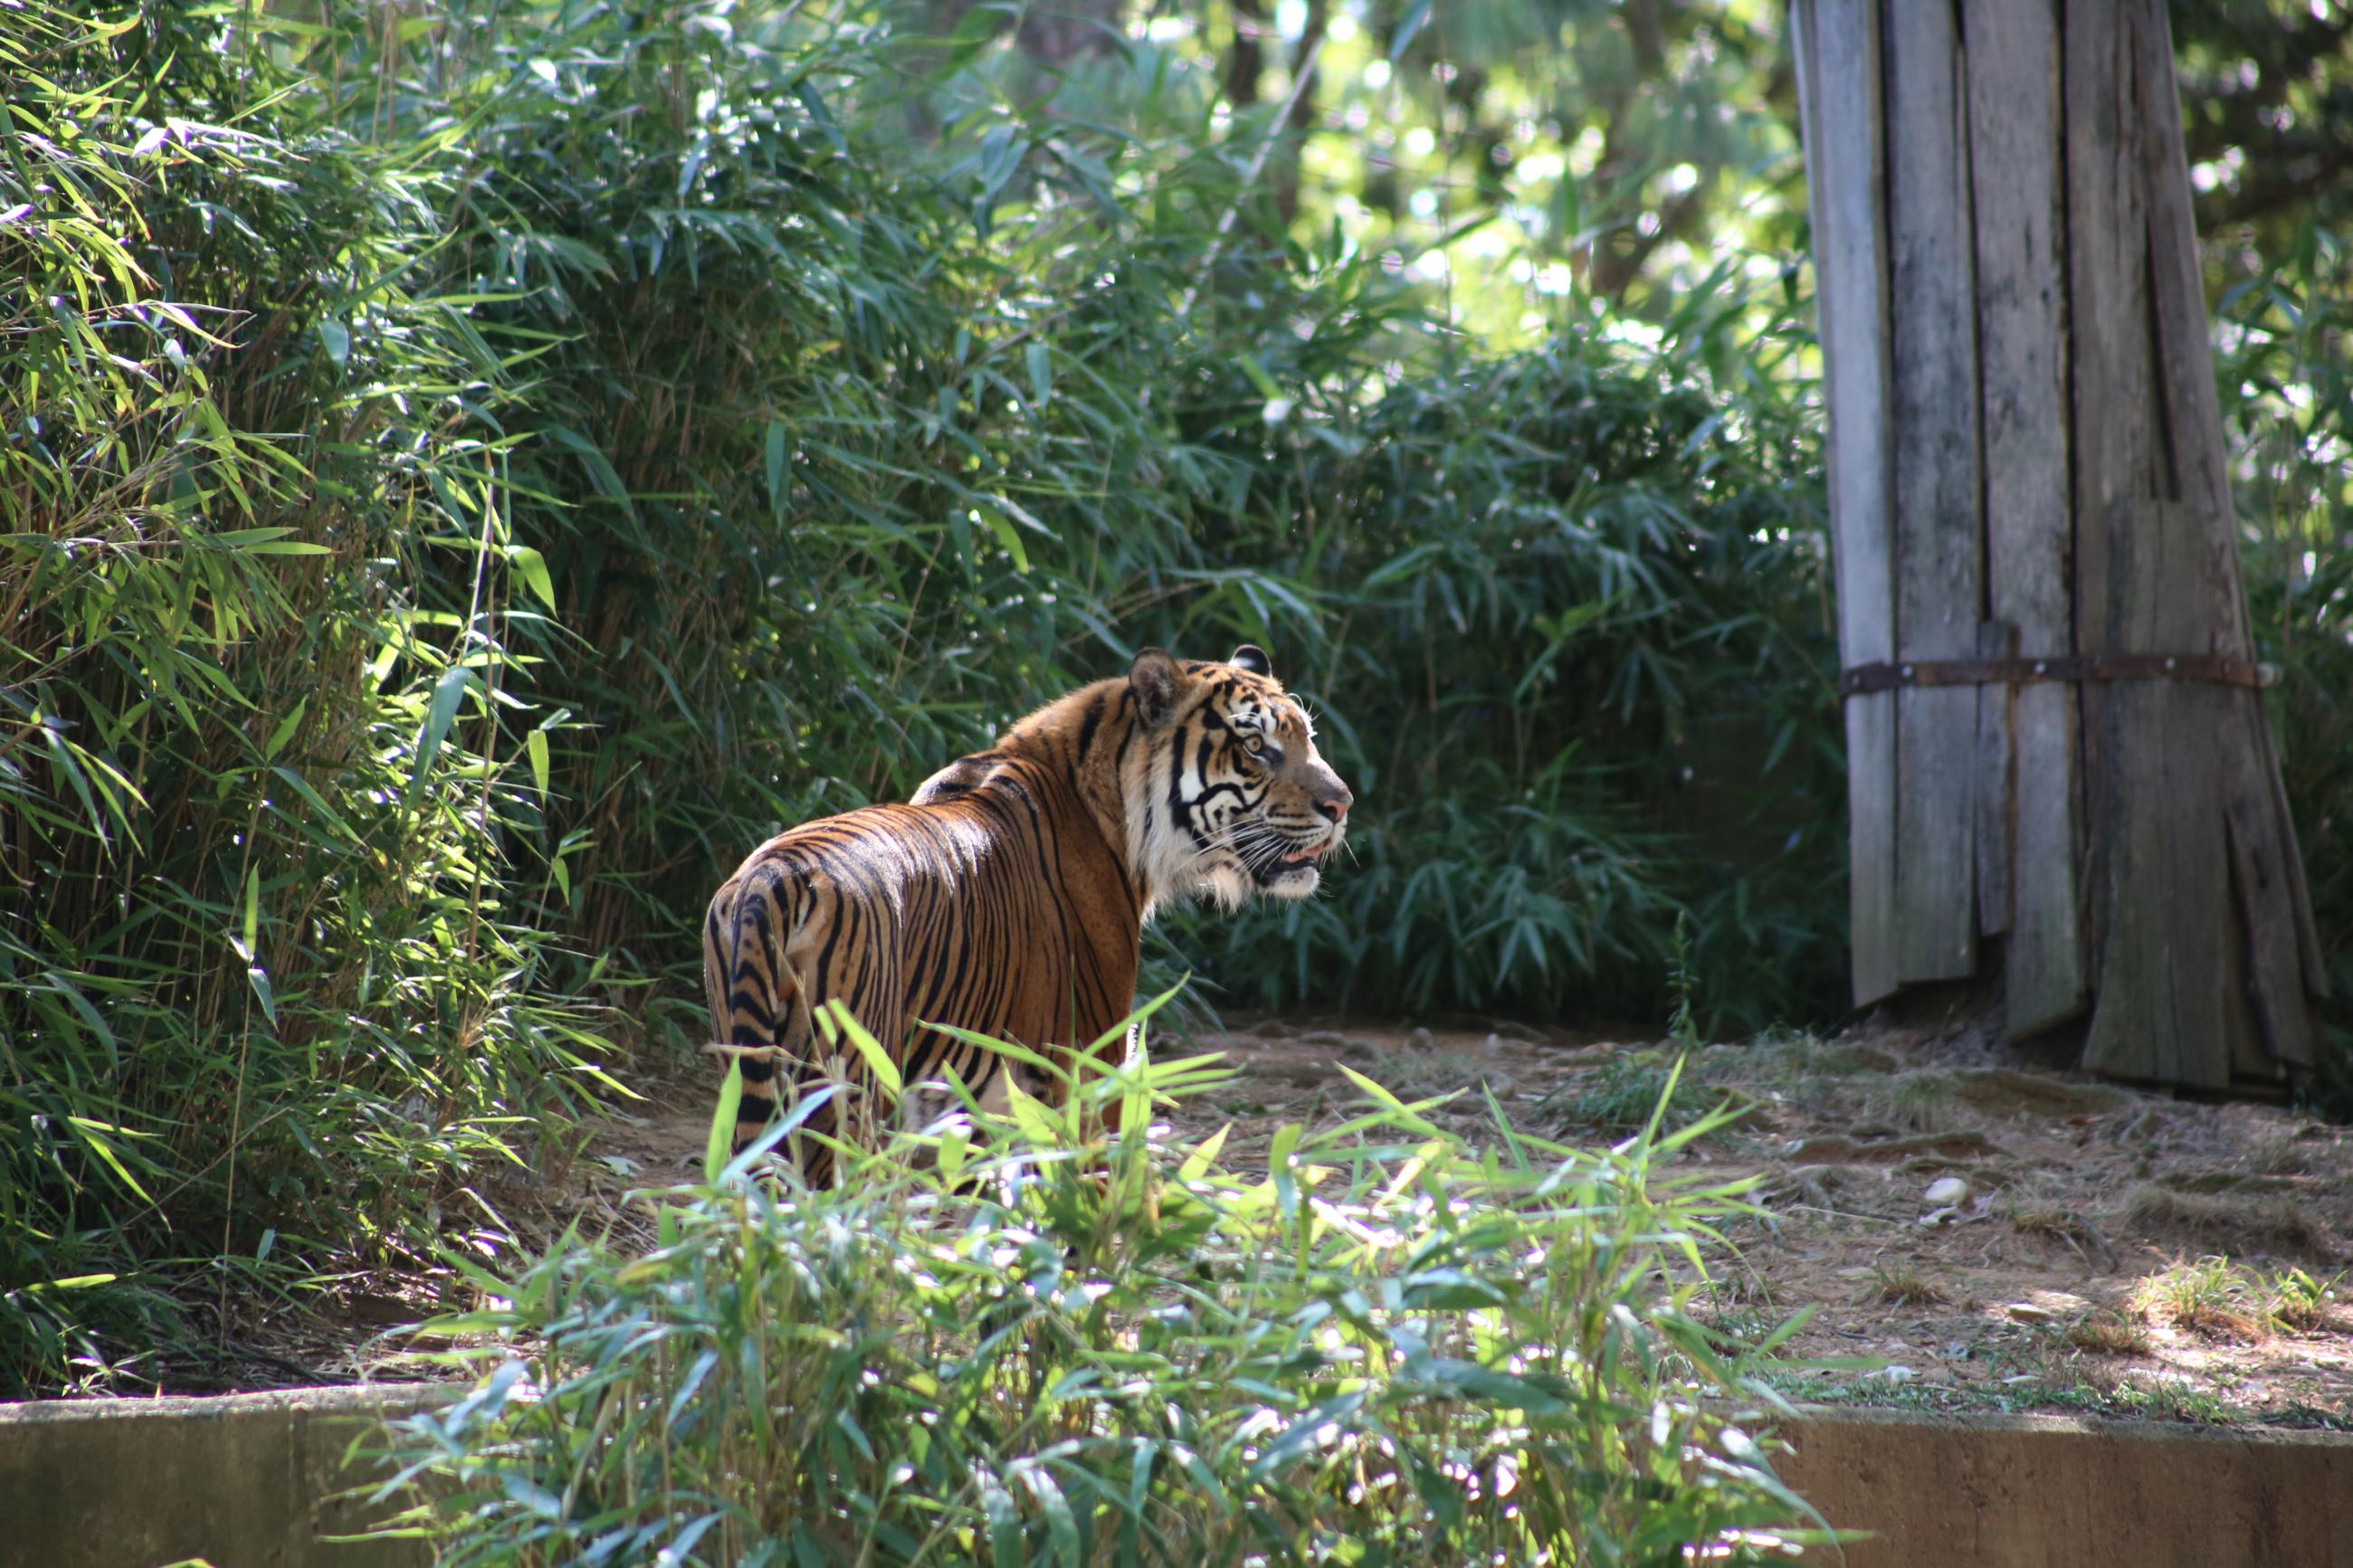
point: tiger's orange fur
(1008, 898)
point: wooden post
(2029, 841)
(1846, 174)
(2030, 517)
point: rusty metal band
(2217, 668)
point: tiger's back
(959, 912)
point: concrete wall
(2049, 1491)
(248, 1481)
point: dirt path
(1998, 1239)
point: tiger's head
(1226, 795)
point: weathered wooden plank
(1997, 781)
(2167, 921)
(1839, 88)
(2195, 917)
(2316, 964)
(2164, 967)
(2250, 1058)
(2185, 363)
(2272, 967)
(2016, 133)
(2111, 392)
(2106, 240)
(2275, 920)
(2025, 456)
(2044, 971)
(1938, 549)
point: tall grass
(1383, 1347)
(262, 990)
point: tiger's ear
(1156, 679)
(1252, 657)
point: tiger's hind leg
(760, 1007)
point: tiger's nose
(1336, 807)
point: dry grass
(1901, 1286)
(2210, 1296)
(2304, 1149)
(1920, 1101)
(2253, 1222)
(2109, 1333)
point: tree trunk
(2058, 766)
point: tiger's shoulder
(958, 779)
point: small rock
(2028, 1313)
(1946, 1191)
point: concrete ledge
(251, 1479)
(2054, 1491)
(245, 1479)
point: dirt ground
(1983, 1235)
(1995, 1238)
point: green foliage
(2287, 400)
(2267, 112)
(467, 484)
(1583, 671)
(262, 993)
(465, 479)
(1112, 1348)
(1622, 1096)
(843, 453)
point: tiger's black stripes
(1009, 896)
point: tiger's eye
(1254, 745)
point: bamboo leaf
(533, 567)
(869, 1049)
(1042, 373)
(448, 691)
(112, 1160)
(723, 1122)
(285, 729)
(252, 913)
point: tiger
(1009, 895)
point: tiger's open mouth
(1293, 871)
